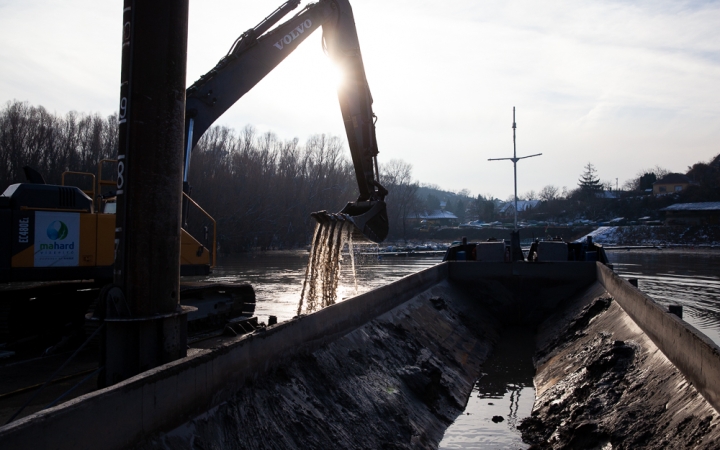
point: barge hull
(401, 358)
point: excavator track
(33, 316)
(43, 313)
(216, 303)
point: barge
(392, 368)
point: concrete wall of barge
(166, 397)
(696, 356)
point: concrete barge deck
(393, 368)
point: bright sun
(336, 75)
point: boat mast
(514, 160)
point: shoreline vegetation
(634, 237)
(261, 189)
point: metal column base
(135, 345)
(517, 253)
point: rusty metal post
(146, 326)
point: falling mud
(323, 269)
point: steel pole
(145, 324)
(515, 167)
(515, 234)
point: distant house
(608, 194)
(701, 213)
(672, 182)
(508, 209)
(438, 218)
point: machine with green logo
(57, 253)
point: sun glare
(335, 75)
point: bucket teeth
(369, 219)
(324, 217)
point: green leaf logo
(57, 230)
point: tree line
(599, 200)
(52, 144)
(260, 189)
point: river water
(689, 278)
(277, 277)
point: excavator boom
(257, 52)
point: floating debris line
(323, 270)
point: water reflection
(688, 278)
(277, 277)
(505, 390)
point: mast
(514, 160)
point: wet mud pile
(601, 383)
(395, 383)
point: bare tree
(645, 178)
(530, 195)
(549, 193)
(396, 176)
(52, 144)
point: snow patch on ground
(656, 235)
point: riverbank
(483, 234)
(631, 235)
(664, 236)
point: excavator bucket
(369, 218)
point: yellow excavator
(61, 253)
(55, 235)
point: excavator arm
(257, 52)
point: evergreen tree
(589, 182)
(459, 210)
(432, 203)
(646, 181)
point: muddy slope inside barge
(393, 368)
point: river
(277, 277)
(690, 278)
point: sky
(624, 85)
